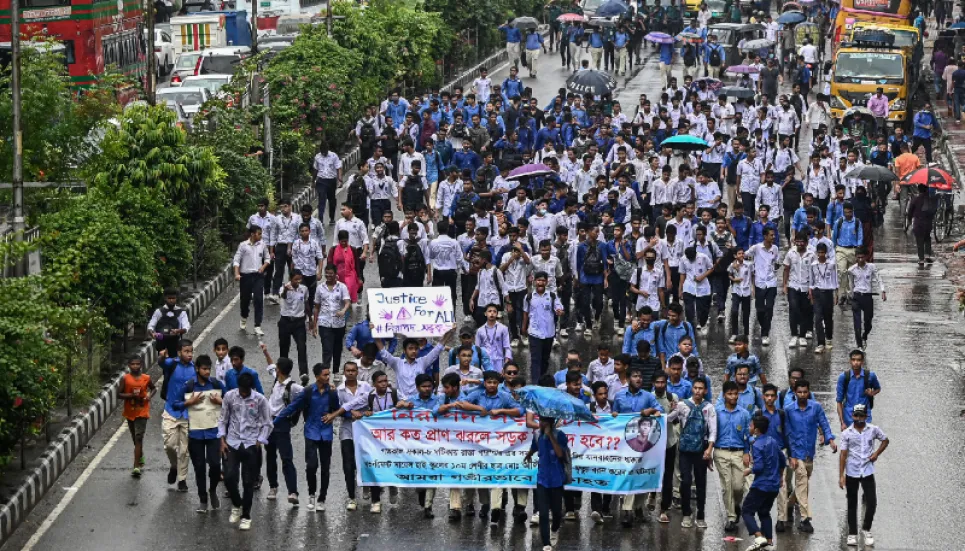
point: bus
(95, 34)
(860, 69)
(894, 12)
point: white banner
(411, 311)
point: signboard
(411, 311)
(414, 448)
(46, 14)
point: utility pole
(152, 56)
(254, 26)
(328, 17)
(18, 221)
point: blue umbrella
(659, 38)
(550, 402)
(685, 142)
(959, 25)
(791, 18)
(612, 8)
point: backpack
(287, 399)
(169, 320)
(690, 57)
(623, 267)
(563, 254)
(390, 145)
(414, 266)
(867, 385)
(593, 261)
(390, 259)
(658, 334)
(693, 436)
(367, 133)
(357, 195)
(715, 57)
(529, 302)
(464, 208)
(412, 193)
(392, 392)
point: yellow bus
(860, 69)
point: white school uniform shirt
(816, 183)
(750, 174)
(473, 373)
(799, 277)
(445, 193)
(487, 283)
(552, 267)
(650, 281)
(784, 159)
(742, 272)
(661, 192)
(445, 253)
(405, 163)
(330, 301)
(381, 188)
(708, 196)
(495, 341)
(352, 401)
(691, 269)
(515, 274)
(599, 371)
(673, 252)
(682, 190)
(684, 229)
(813, 244)
(358, 235)
(772, 196)
(569, 221)
(824, 276)
(787, 122)
(863, 278)
(542, 227)
(517, 210)
(542, 312)
(221, 367)
(764, 262)
(327, 166)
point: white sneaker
(852, 540)
(765, 341)
(579, 328)
(351, 505)
(759, 544)
(525, 340)
(597, 517)
(319, 506)
(621, 330)
(810, 335)
(792, 343)
(686, 522)
(704, 330)
(802, 342)
(564, 333)
(554, 537)
(311, 503)
(245, 524)
(556, 343)
(514, 343)
(272, 494)
(534, 520)
(869, 540)
(732, 339)
(235, 515)
(818, 349)
(547, 548)
(259, 332)
(244, 324)
(376, 509)
(828, 345)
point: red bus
(95, 34)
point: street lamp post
(18, 220)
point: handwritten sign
(204, 415)
(413, 448)
(411, 311)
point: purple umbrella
(535, 169)
(659, 38)
(742, 69)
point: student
(244, 426)
(676, 383)
(222, 362)
(410, 364)
(250, 262)
(490, 287)
(174, 423)
(551, 476)
(856, 386)
(741, 281)
(634, 400)
(743, 356)
(480, 357)
(824, 293)
(445, 256)
(332, 302)
(668, 332)
(602, 367)
(308, 258)
(352, 394)
(283, 393)
(698, 432)
(768, 470)
(515, 264)
(574, 365)
(203, 444)
(137, 389)
(857, 468)
(765, 257)
(493, 338)
(804, 418)
(493, 402)
(470, 376)
(776, 415)
(620, 380)
(415, 257)
(453, 398)
(264, 221)
(284, 233)
(319, 402)
(648, 283)
(731, 450)
(291, 322)
(591, 265)
(863, 275)
(797, 284)
(693, 370)
(169, 323)
(540, 311)
(238, 367)
(695, 269)
(641, 328)
(668, 401)
(425, 400)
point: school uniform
(280, 440)
(291, 324)
(740, 298)
(800, 312)
(824, 282)
(862, 306)
(763, 261)
(541, 330)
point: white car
(184, 65)
(189, 98)
(213, 83)
(163, 51)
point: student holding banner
(634, 400)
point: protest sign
(413, 448)
(411, 311)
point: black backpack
(392, 392)
(593, 260)
(287, 398)
(390, 258)
(169, 320)
(690, 56)
(715, 56)
(413, 193)
(867, 385)
(464, 208)
(499, 289)
(357, 195)
(414, 266)
(390, 145)
(367, 132)
(563, 254)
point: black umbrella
(738, 92)
(872, 172)
(525, 23)
(591, 81)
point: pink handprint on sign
(386, 315)
(440, 301)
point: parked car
(222, 61)
(184, 65)
(163, 51)
(184, 121)
(189, 98)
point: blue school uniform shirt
(666, 53)
(775, 429)
(768, 463)
(733, 428)
(854, 394)
(750, 400)
(802, 429)
(560, 378)
(632, 338)
(627, 401)
(231, 378)
(534, 41)
(177, 373)
(316, 404)
(757, 233)
(683, 389)
(512, 33)
(500, 400)
(550, 471)
(734, 361)
(668, 336)
(360, 335)
(742, 229)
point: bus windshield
(894, 7)
(873, 66)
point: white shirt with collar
(358, 235)
(764, 262)
(799, 276)
(327, 166)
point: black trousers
(823, 315)
(862, 307)
(293, 328)
(468, 282)
(719, 283)
(318, 453)
(378, 208)
(572, 500)
(280, 446)
(549, 499)
(590, 296)
(618, 298)
(243, 464)
(445, 278)
(348, 466)
(800, 313)
(697, 309)
(311, 282)
(674, 287)
(764, 304)
(926, 142)
(333, 340)
(516, 317)
(282, 260)
(539, 357)
(742, 305)
(693, 469)
(325, 188)
(867, 484)
(205, 453)
(253, 285)
(666, 487)
(600, 502)
(923, 244)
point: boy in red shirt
(136, 390)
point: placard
(411, 311)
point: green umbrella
(685, 143)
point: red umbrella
(570, 18)
(932, 177)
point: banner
(411, 311)
(412, 448)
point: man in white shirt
(764, 258)
(250, 262)
(695, 270)
(382, 190)
(358, 240)
(863, 276)
(797, 284)
(327, 174)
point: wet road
(97, 506)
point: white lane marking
(73, 490)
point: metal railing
(9, 265)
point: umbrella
(570, 18)
(550, 402)
(790, 6)
(757, 44)
(712, 83)
(690, 38)
(612, 8)
(959, 25)
(659, 38)
(736, 92)
(932, 177)
(591, 81)
(791, 18)
(685, 143)
(536, 169)
(856, 111)
(602, 23)
(525, 23)
(872, 172)
(742, 69)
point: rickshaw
(729, 35)
(808, 30)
